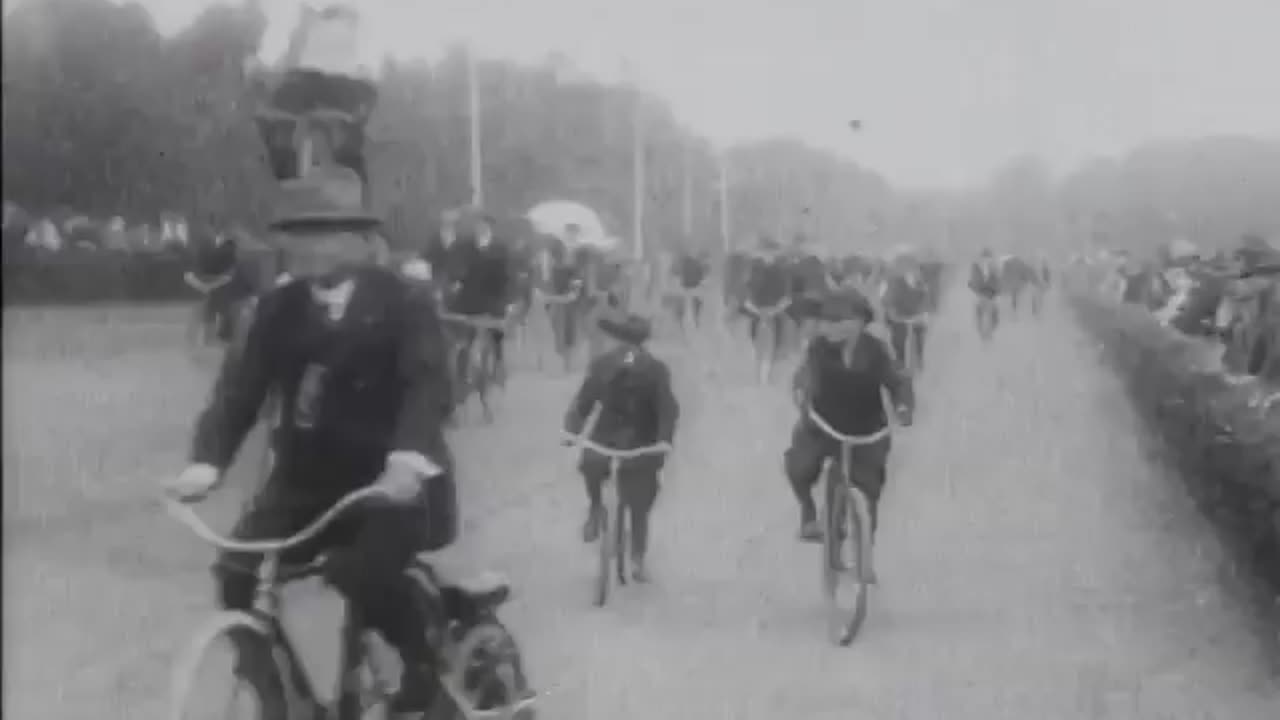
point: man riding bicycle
(906, 304)
(984, 281)
(844, 372)
(483, 284)
(356, 358)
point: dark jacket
(902, 301)
(446, 260)
(633, 391)
(848, 397)
(351, 390)
(484, 276)
(984, 283)
(768, 282)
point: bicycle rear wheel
(486, 677)
(256, 689)
(843, 558)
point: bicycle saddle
(484, 587)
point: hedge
(79, 277)
(1224, 444)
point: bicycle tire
(256, 665)
(605, 560)
(486, 677)
(622, 519)
(766, 345)
(856, 530)
(842, 525)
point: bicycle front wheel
(766, 345)
(244, 684)
(843, 558)
(604, 558)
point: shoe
(810, 531)
(591, 528)
(417, 693)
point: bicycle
(988, 313)
(766, 341)
(473, 358)
(841, 525)
(912, 361)
(479, 663)
(557, 309)
(203, 330)
(612, 550)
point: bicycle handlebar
(551, 299)
(917, 319)
(205, 286)
(617, 453)
(772, 310)
(843, 439)
(186, 515)
(479, 322)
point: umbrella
(553, 218)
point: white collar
(334, 298)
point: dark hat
(625, 327)
(846, 304)
(326, 197)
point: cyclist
(444, 253)
(768, 284)
(356, 358)
(984, 281)
(842, 376)
(483, 282)
(637, 408)
(906, 297)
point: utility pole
(723, 166)
(473, 112)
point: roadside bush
(1219, 435)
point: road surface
(1035, 561)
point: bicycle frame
(263, 617)
(477, 353)
(911, 348)
(766, 319)
(555, 307)
(846, 492)
(613, 502)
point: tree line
(105, 116)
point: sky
(947, 90)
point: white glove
(194, 483)
(416, 269)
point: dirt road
(1035, 562)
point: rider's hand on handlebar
(193, 483)
(404, 474)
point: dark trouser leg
(921, 331)
(898, 337)
(803, 463)
(594, 469)
(639, 486)
(499, 351)
(868, 464)
(273, 514)
(369, 572)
